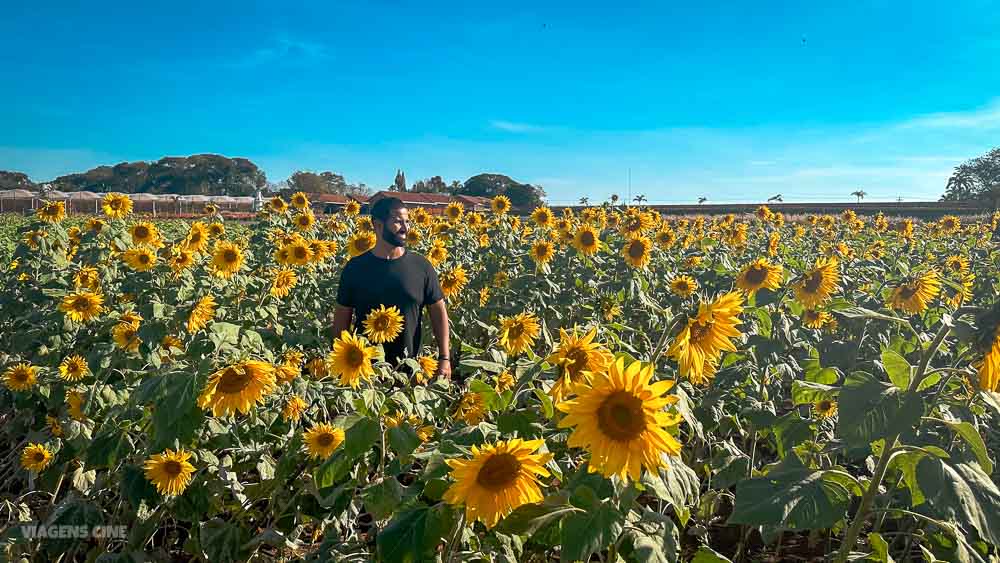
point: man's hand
(444, 369)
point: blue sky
(735, 101)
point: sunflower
(216, 229)
(293, 409)
(283, 282)
(201, 314)
(277, 205)
(82, 306)
(454, 210)
(500, 204)
(452, 281)
(586, 240)
(300, 200)
(471, 408)
(304, 221)
(706, 336)
(578, 358)
(637, 251)
(145, 234)
(116, 206)
(52, 212)
(351, 359)
(437, 253)
(505, 381)
(20, 377)
(55, 428)
(352, 208)
(542, 216)
(180, 259)
(73, 368)
(619, 419)
(817, 285)
(171, 346)
(317, 368)
(237, 387)
(665, 237)
(298, 252)
(140, 259)
(170, 471)
(94, 225)
(360, 242)
(322, 439)
(518, 333)
(497, 479)
(74, 406)
(197, 238)
(226, 259)
(88, 278)
(913, 296)
(815, 319)
(319, 250)
(125, 337)
(956, 264)
(989, 367)
(383, 324)
(825, 408)
(35, 457)
(950, 224)
(683, 286)
(428, 368)
(759, 274)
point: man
(389, 275)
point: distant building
(433, 203)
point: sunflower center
(587, 238)
(196, 237)
(907, 291)
(172, 467)
(515, 331)
(621, 417)
(234, 381)
(381, 323)
(82, 304)
(325, 440)
(636, 250)
(813, 282)
(299, 252)
(141, 232)
(578, 361)
(499, 472)
(230, 256)
(756, 275)
(39, 457)
(20, 376)
(699, 331)
(144, 259)
(355, 357)
(115, 204)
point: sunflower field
(626, 387)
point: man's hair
(385, 206)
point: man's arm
(341, 319)
(439, 324)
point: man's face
(395, 227)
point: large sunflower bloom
(518, 333)
(454, 211)
(197, 238)
(637, 251)
(383, 324)
(578, 357)
(202, 312)
(170, 471)
(542, 216)
(619, 419)
(226, 259)
(52, 211)
(913, 296)
(145, 234)
(82, 306)
(321, 440)
(586, 240)
(360, 242)
(116, 206)
(542, 252)
(683, 286)
(140, 259)
(351, 359)
(497, 479)
(20, 377)
(706, 336)
(817, 285)
(237, 387)
(759, 274)
(73, 368)
(300, 200)
(452, 281)
(500, 204)
(35, 457)
(283, 282)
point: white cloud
(987, 117)
(284, 49)
(514, 127)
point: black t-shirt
(408, 282)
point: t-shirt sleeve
(346, 292)
(432, 287)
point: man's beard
(392, 238)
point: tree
(585, 201)
(702, 200)
(860, 194)
(522, 196)
(399, 184)
(433, 185)
(639, 199)
(15, 181)
(776, 198)
(200, 174)
(976, 179)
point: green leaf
(136, 488)
(880, 547)
(72, 512)
(176, 414)
(414, 535)
(403, 439)
(492, 367)
(546, 401)
(862, 313)
(706, 554)
(963, 494)
(107, 448)
(529, 518)
(587, 533)
(654, 539)
(871, 409)
(221, 540)
(968, 432)
(789, 431)
(898, 368)
(807, 392)
(382, 499)
(794, 497)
